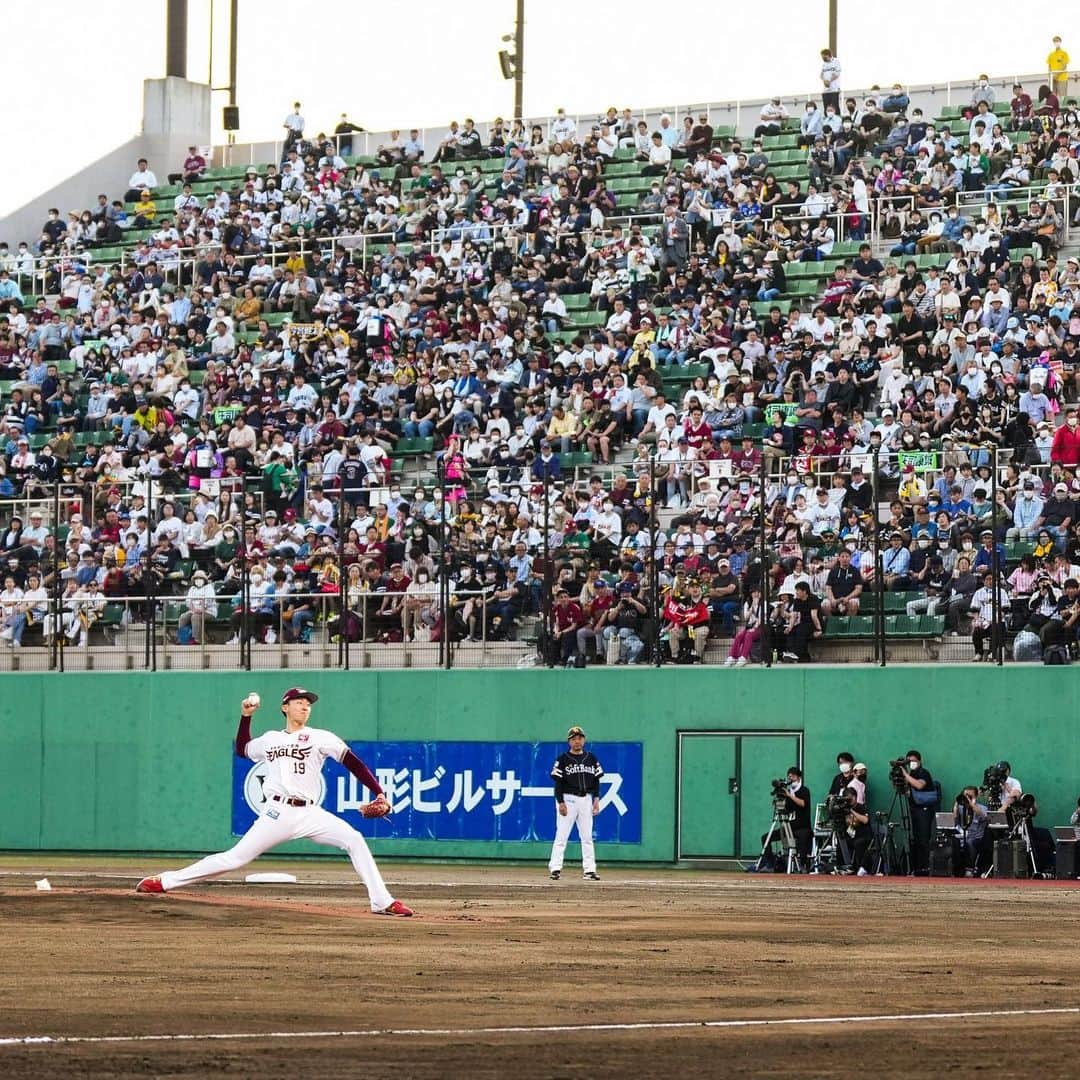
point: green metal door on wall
(728, 773)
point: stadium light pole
(519, 58)
(513, 63)
(176, 30)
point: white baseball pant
(290, 823)
(578, 812)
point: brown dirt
(501, 947)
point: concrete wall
(176, 114)
(125, 762)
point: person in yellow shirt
(146, 416)
(295, 261)
(912, 490)
(562, 426)
(641, 344)
(1057, 64)
(145, 211)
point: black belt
(290, 801)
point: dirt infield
(302, 981)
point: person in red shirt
(331, 429)
(567, 617)
(806, 452)
(696, 431)
(389, 616)
(1020, 107)
(1065, 449)
(594, 619)
(722, 450)
(747, 459)
(687, 619)
(194, 167)
(109, 531)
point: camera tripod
(890, 852)
(781, 826)
(1019, 830)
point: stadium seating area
(676, 375)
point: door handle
(733, 785)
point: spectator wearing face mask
(845, 776)
(1027, 514)
(1065, 449)
(920, 789)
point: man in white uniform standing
(294, 759)
(577, 796)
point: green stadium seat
(577, 301)
(588, 319)
(849, 626)
(577, 459)
(1017, 549)
(112, 615)
(413, 447)
(898, 601)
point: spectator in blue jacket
(546, 465)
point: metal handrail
(714, 110)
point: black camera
(1024, 808)
(779, 796)
(994, 777)
(897, 773)
(837, 809)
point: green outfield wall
(143, 762)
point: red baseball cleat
(396, 908)
(153, 885)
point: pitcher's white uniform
(294, 765)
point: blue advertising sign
(463, 791)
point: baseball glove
(377, 809)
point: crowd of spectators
(228, 406)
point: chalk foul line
(561, 1029)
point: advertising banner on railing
(463, 791)
(921, 460)
(786, 407)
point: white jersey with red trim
(295, 759)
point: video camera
(994, 777)
(779, 797)
(897, 771)
(837, 809)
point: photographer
(845, 765)
(923, 800)
(850, 773)
(797, 798)
(859, 833)
(1011, 788)
(791, 804)
(858, 782)
(974, 840)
